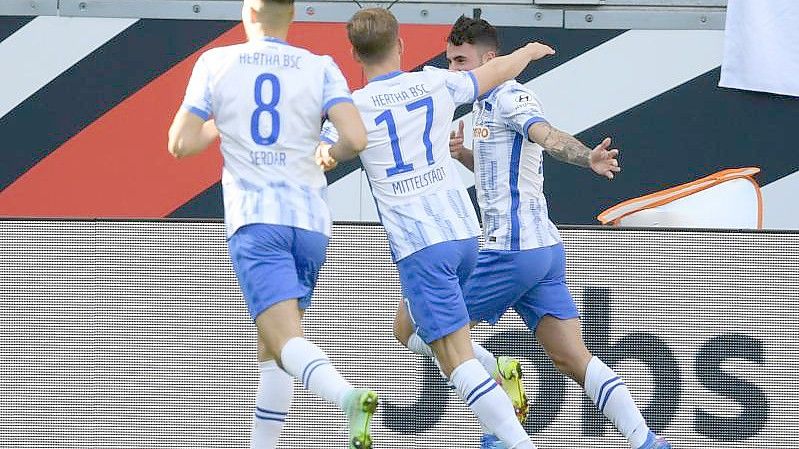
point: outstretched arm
(566, 148)
(504, 68)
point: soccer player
(423, 204)
(522, 265)
(267, 99)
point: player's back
(418, 191)
(267, 98)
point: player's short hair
(274, 12)
(279, 2)
(373, 33)
(473, 31)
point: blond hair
(373, 33)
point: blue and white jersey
(268, 99)
(419, 194)
(509, 170)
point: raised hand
(456, 147)
(603, 161)
(538, 50)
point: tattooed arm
(566, 148)
(562, 146)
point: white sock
(491, 405)
(608, 391)
(488, 361)
(275, 389)
(311, 366)
(485, 358)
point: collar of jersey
(487, 94)
(387, 76)
(275, 40)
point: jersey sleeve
(461, 85)
(335, 88)
(329, 133)
(198, 93)
(520, 109)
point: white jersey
(509, 170)
(268, 99)
(419, 194)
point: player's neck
(372, 71)
(262, 33)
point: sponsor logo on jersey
(482, 132)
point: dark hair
(373, 33)
(473, 31)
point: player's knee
(403, 329)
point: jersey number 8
(268, 108)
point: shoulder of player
(218, 52)
(361, 97)
(404, 79)
(433, 73)
(513, 92)
(513, 87)
(287, 47)
(305, 53)
(411, 78)
(429, 69)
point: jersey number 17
(388, 117)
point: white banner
(761, 46)
(134, 335)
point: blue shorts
(432, 280)
(275, 263)
(533, 282)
